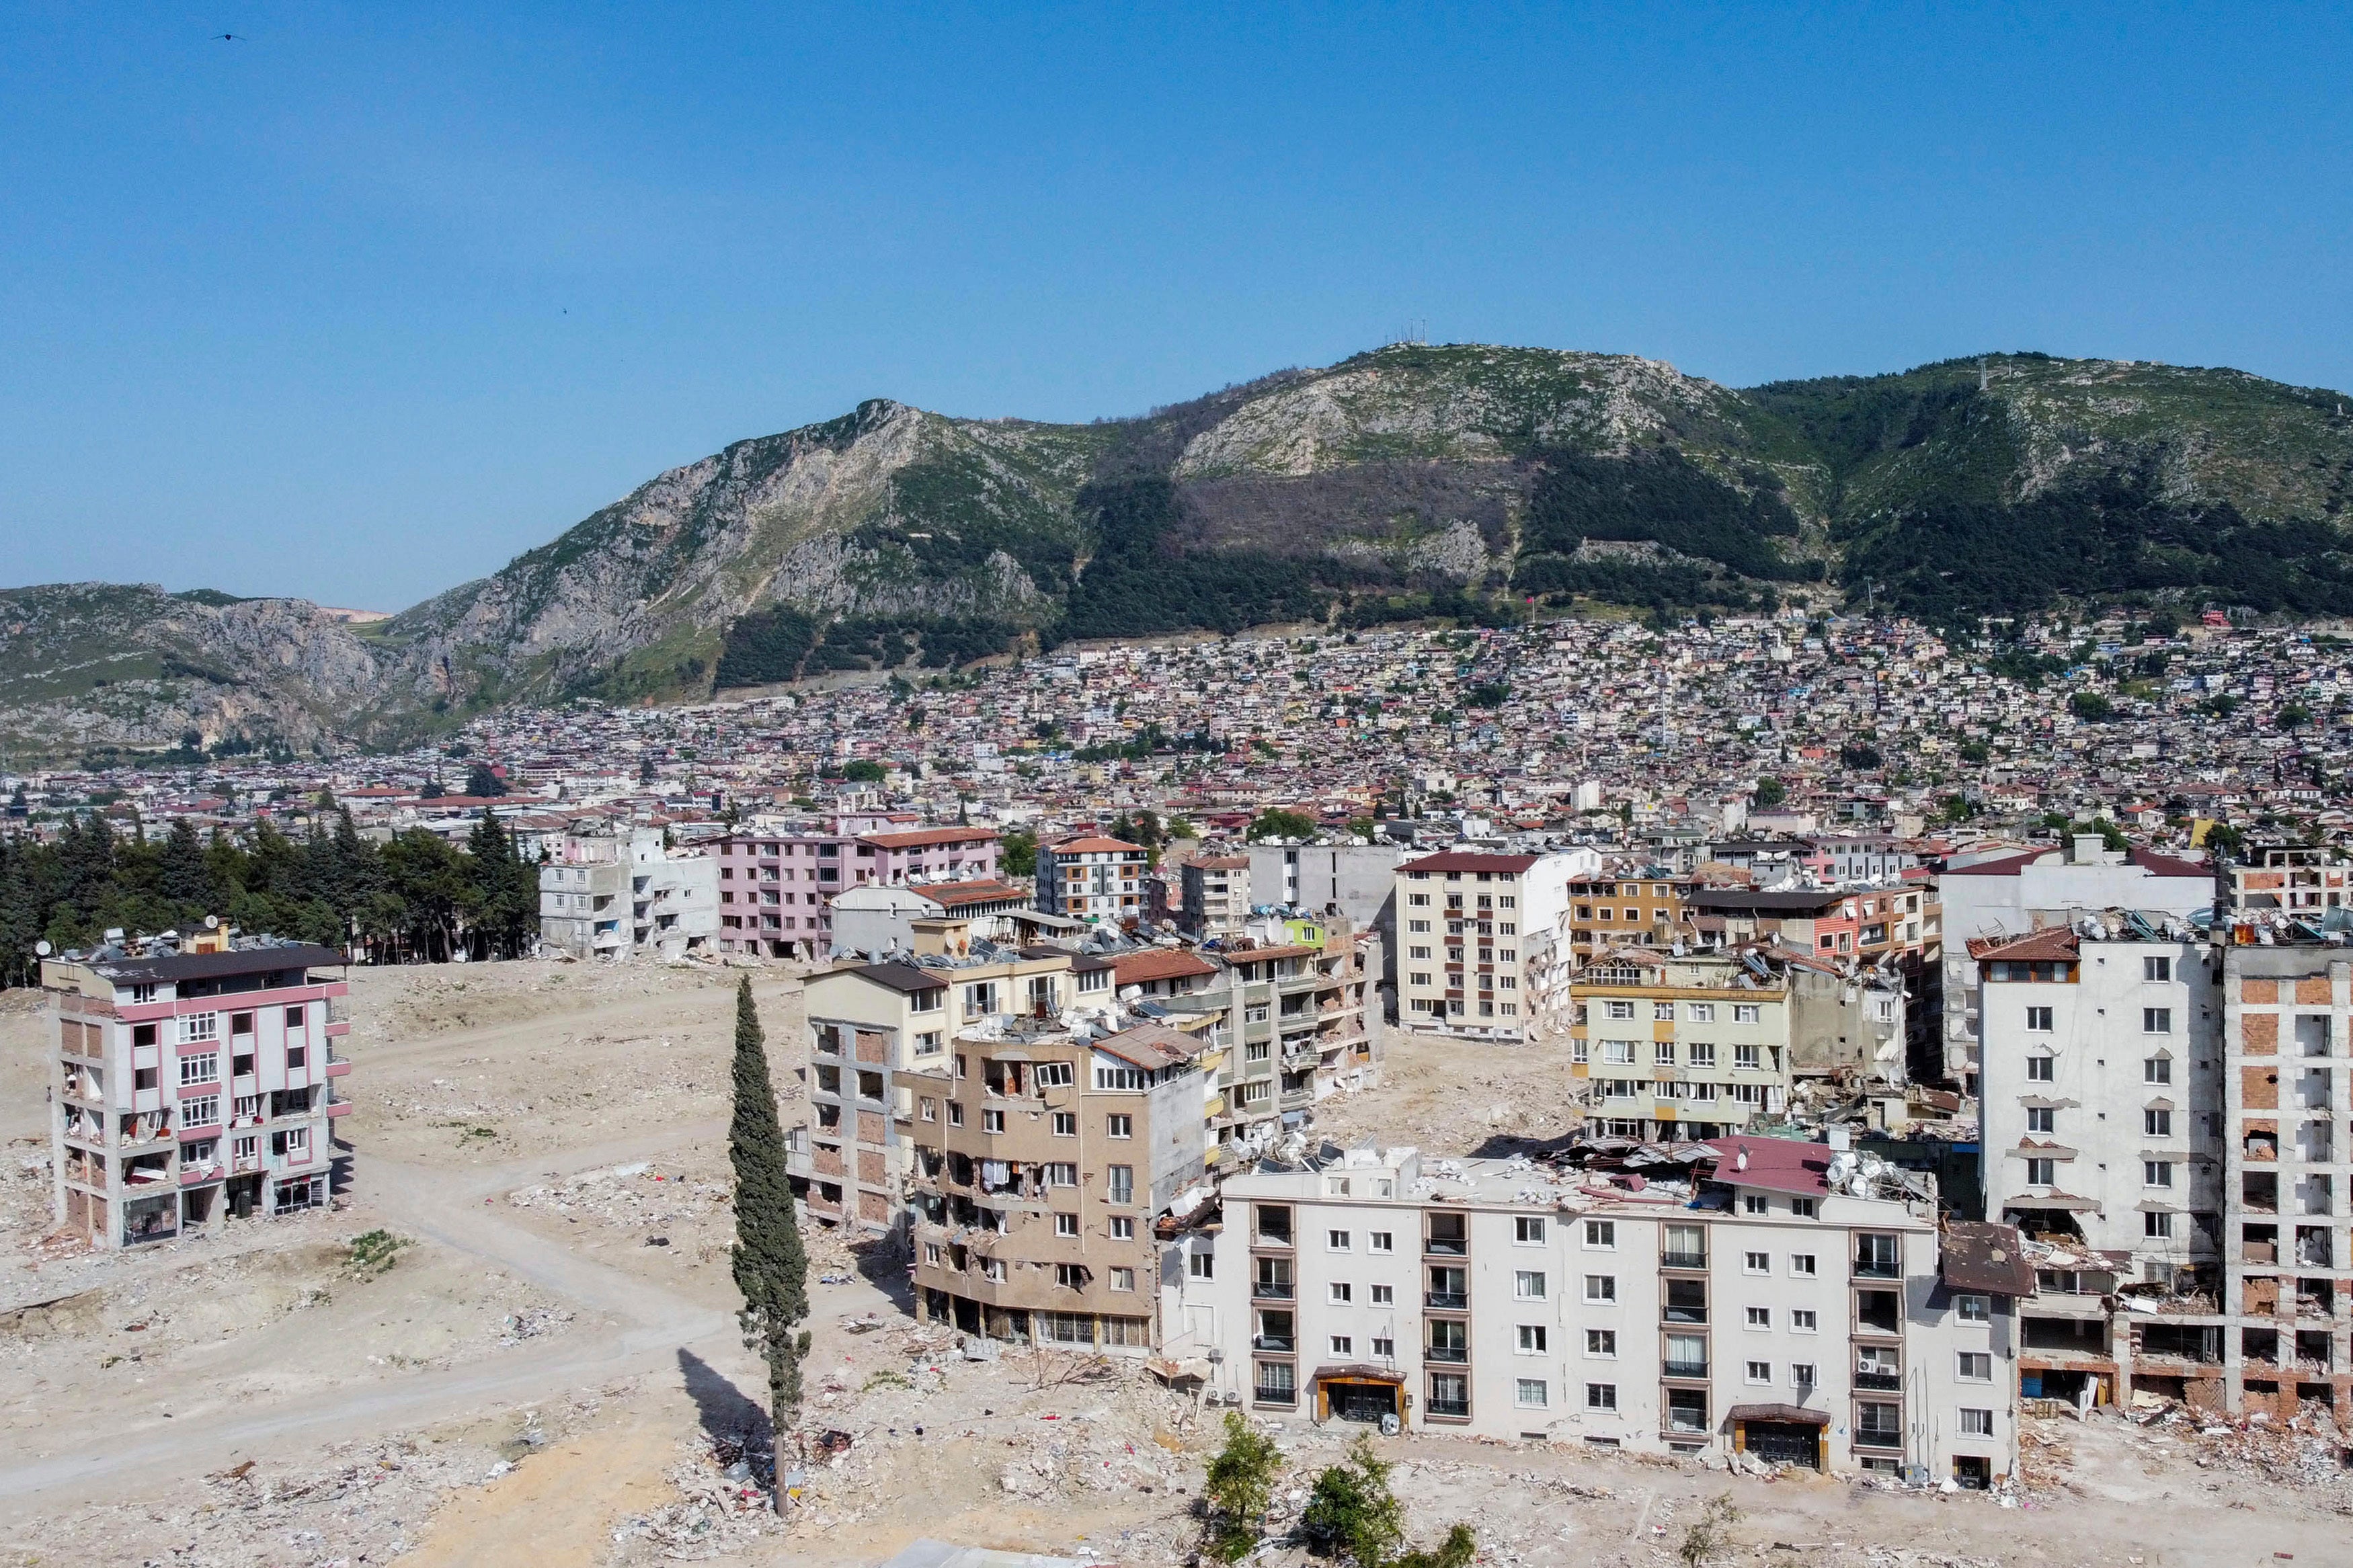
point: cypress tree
(771, 1269)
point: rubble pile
(631, 1197)
(722, 1506)
(2308, 1449)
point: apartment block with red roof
(1092, 878)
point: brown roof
(985, 890)
(1223, 862)
(926, 837)
(2051, 944)
(1151, 1046)
(1095, 846)
(1793, 1413)
(1980, 1255)
(1161, 964)
(1776, 1165)
(1472, 860)
(1254, 955)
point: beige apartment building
(1041, 1155)
(1787, 1303)
(1092, 878)
(1215, 896)
(1483, 950)
(873, 1024)
(1684, 1047)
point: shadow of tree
(730, 1417)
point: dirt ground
(545, 1368)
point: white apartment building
(614, 895)
(2015, 894)
(1092, 878)
(2102, 1081)
(1767, 1308)
(1680, 1047)
(1484, 951)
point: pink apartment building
(192, 1087)
(773, 888)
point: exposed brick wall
(2314, 988)
(2258, 991)
(2260, 1031)
(2259, 1088)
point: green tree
(1019, 854)
(1770, 792)
(1276, 823)
(1710, 1532)
(1241, 1484)
(1975, 751)
(2293, 716)
(865, 770)
(771, 1268)
(1352, 1508)
(2091, 707)
(1861, 755)
(484, 784)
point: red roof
(1096, 846)
(2051, 944)
(985, 890)
(2158, 865)
(926, 837)
(1776, 1164)
(1472, 860)
(1168, 964)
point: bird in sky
(228, 37)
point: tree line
(415, 900)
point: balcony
(1888, 1382)
(1272, 1290)
(1879, 1438)
(1684, 1369)
(1682, 1260)
(1265, 1393)
(1450, 1355)
(1446, 1301)
(1281, 1343)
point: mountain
(1411, 480)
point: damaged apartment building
(2166, 1118)
(193, 1083)
(1277, 1027)
(1751, 1297)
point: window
(2041, 1119)
(200, 1027)
(1201, 1265)
(1122, 1228)
(1602, 1287)
(930, 1043)
(1528, 1284)
(1527, 1231)
(1450, 1395)
(1066, 1225)
(203, 1068)
(1121, 1126)
(1746, 1013)
(1118, 1077)
(1533, 1393)
(201, 1111)
(1755, 1203)
(1123, 1278)
(293, 1017)
(1803, 1321)
(2041, 1070)
(2157, 1172)
(1336, 1240)
(1601, 1234)
(1531, 1339)
(1980, 1423)
(1760, 1372)
(1066, 1123)
(2041, 1173)
(992, 1122)
(1760, 1317)
(2156, 1020)
(1601, 1396)
(1618, 1053)
(1276, 1383)
(1801, 1374)
(2157, 1123)
(2157, 1069)
(1974, 1366)
(955, 1114)
(1062, 1173)
(1071, 1276)
(1339, 1292)
(1344, 1344)
(2037, 1020)
(1703, 1055)
(1663, 1053)
(1419, 928)
(1801, 1264)
(1973, 1309)
(1384, 1295)
(1747, 1057)
(1119, 1184)
(1618, 1009)
(1379, 1241)
(1054, 1075)
(1802, 1208)
(2158, 970)
(2155, 1227)
(1757, 1262)
(1601, 1343)
(1384, 1348)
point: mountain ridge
(1397, 481)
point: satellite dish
(43, 948)
(212, 922)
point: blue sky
(368, 302)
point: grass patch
(373, 1252)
